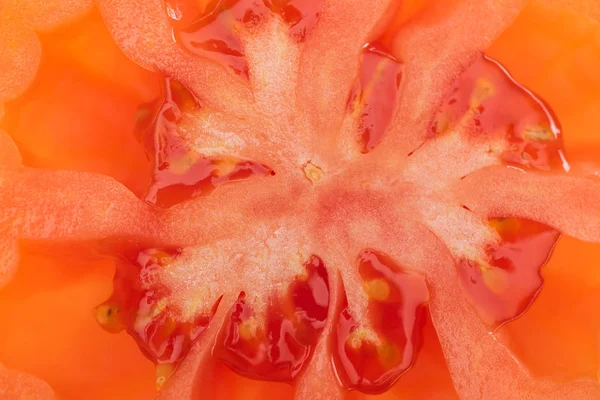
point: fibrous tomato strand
(9, 258)
(69, 205)
(43, 15)
(568, 203)
(325, 77)
(147, 40)
(20, 48)
(20, 52)
(193, 377)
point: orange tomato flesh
(52, 333)
(180, 173)
(557, 61)
(371, 358)
(80, 112)
(56, 294)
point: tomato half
(318, 199)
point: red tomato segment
(140, 306)
(501, 107)
(503, 288)
(505, 284)
(213, 35)
(180, 173)
(277, 347)
(375, 95)
(213, 31)
(371, 356)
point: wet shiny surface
(180, 173)
(139, 305)
(500, 107)
(505, 284)
(213, 30)
(277, 345)
(371, 356)
(504, 288)
(375, 95)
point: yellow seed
(163, 373)
(360, 335)
(107, 316)
(495, 278)
(186, 100)
(226, 165)
(483, 90)
(388, 354)
(441, 123)
(506, 226)
(161, 257)
(355, 343)
(161, 305)
(356, 107)
(180, 165)
(313, 172)
(302, 276)
(540, 133)
(377, 289)
(248, 329)
(168, 327)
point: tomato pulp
(332, 197)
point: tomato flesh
(213, 31)
(375, 95)
(503, 289)
(501, 107)
(371, 357)
(179, 172)
(139, 305)
(277, 346)
(276, 342)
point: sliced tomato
(338, 126)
